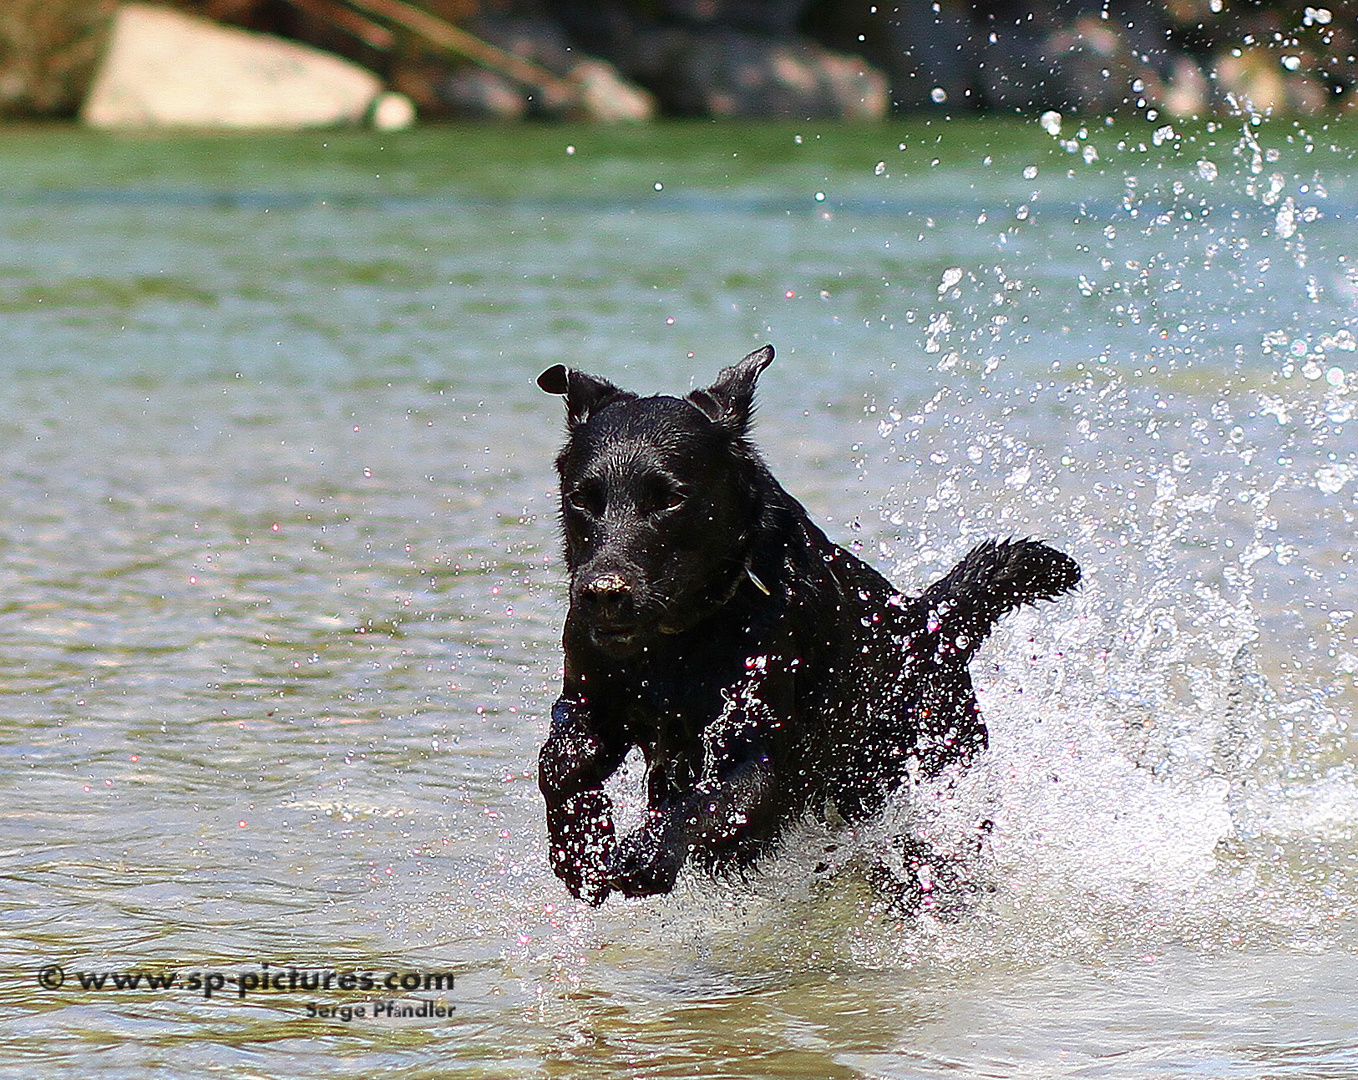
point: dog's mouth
(615, 637)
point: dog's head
(659, 496)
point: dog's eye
(664, 496)
(587, 498)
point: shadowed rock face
(48, 53)
(586, 87)
(742, 61)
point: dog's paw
(585, 878)
(592, 891)
(643, 865)
(581, 847)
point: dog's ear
(730, 400)
(584, 394)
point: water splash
(1163, 769)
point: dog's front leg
(734, 796)
(572, 767)
(707, 821)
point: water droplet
(881, 168)
(1207, 169)
(1030, 172)
(1051, 122)
(939, 95)
(1285, 222)
(1332, 478)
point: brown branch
(337, 15)
(444, 35)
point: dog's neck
(743, 577)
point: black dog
(762, 670)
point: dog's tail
(996, 577)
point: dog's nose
(608, 597)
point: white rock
(392, 112)
(167, 69)
(606, 95)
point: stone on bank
(167, 69)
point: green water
(281, 591)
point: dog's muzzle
(609, 609)
(608, 585)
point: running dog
(763, 670)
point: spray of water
(1164, 770)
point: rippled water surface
(281, 592)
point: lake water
(282, 593)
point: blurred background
(803, 59)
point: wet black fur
(762, 670)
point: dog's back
(885, 675)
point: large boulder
(164, 68)
(726, 58)
(722, 72)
